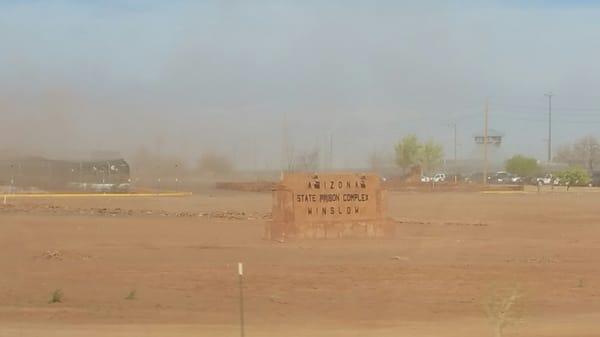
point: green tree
(431, 155)
(574, 176)
(408, 152)
(522, 166)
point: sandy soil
(451, 253)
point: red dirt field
(179, 255)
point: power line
(542, 107)
(561, 121)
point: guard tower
(494, 139)
(494, 148)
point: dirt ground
(176, 259)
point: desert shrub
(502, 307)
(131, 295)
(56, 296)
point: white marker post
(241, 276)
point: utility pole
(176, 177)
(549, 127)
(455, 163)
(254, 160)
(455, 144)
(284, 146)
(331, 151)
(485, 143)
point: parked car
(425, 179)
(501, 177)
(548, 179)
(439, 177)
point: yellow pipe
(505, 192)
(94, 195)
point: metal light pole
(455, 158)
(455, 163)
(176, 177)
(549, 95)
(80, 175)
(485, 143)
(12, 179)
(331, 151)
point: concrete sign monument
(329, 205)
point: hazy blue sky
(194, 76)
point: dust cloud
(347, 80)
